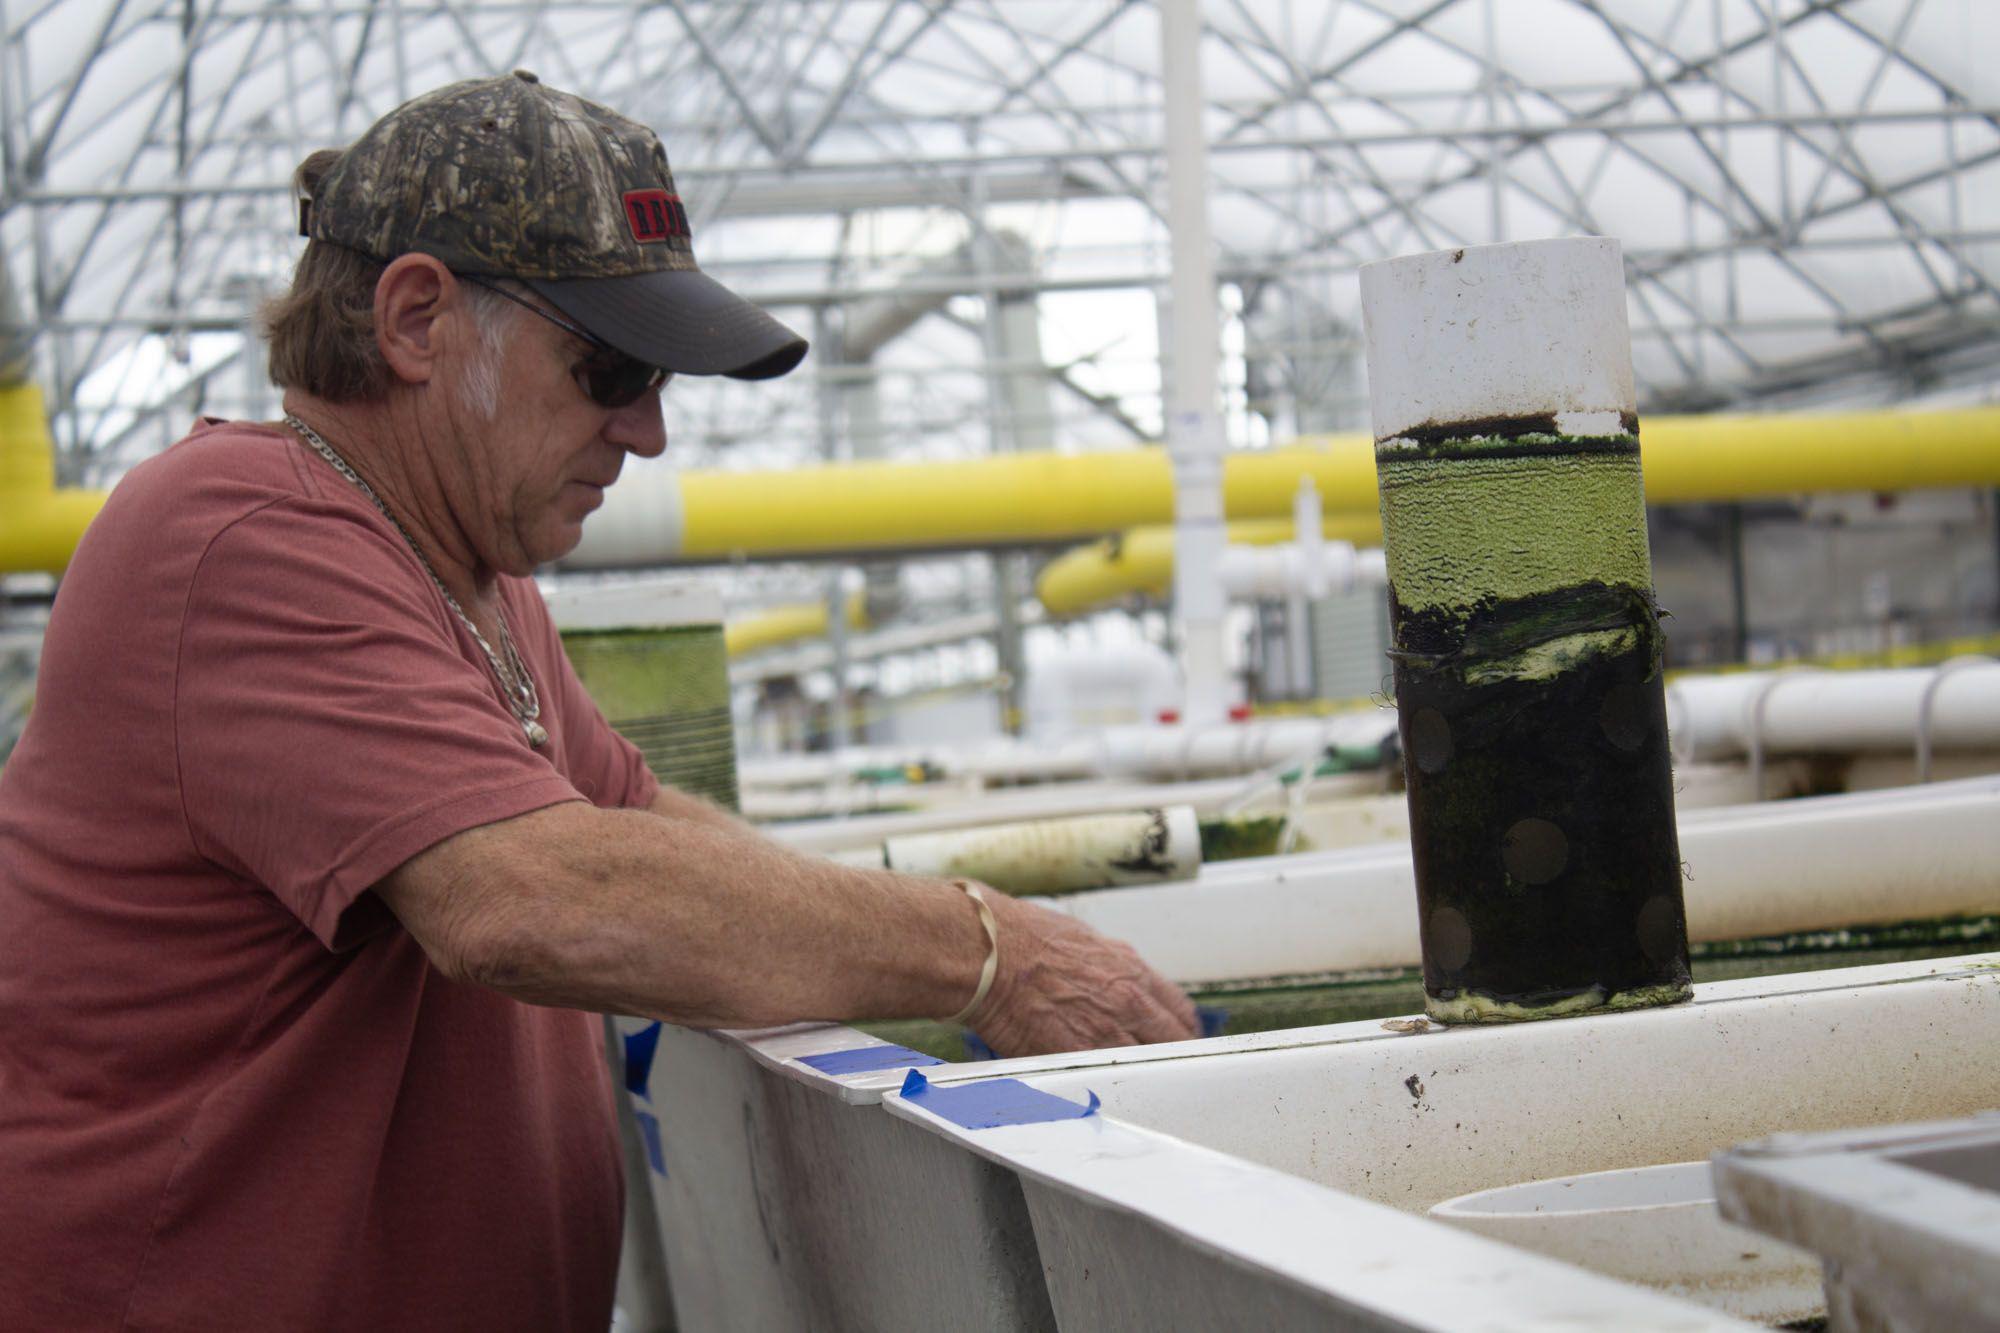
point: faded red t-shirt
(234, 1094)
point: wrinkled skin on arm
(692, 918)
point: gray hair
(478, 387)
(322, 333)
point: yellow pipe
(1686, 459)
(1715, 458)
(785, 624)
(1142, 560)
(39, 524)
(1018, 498)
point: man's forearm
(672, 803)
(696, 921)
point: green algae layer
(1494, 519)
(1533, 720)
(1235, 839)
(667, 691)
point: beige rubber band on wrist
(992, 966)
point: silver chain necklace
(508, 668)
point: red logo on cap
(655, 215)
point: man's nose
(637, 427)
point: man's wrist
(991, 967)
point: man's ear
(411, 299)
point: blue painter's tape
(639, 1048)
(867, 1059)
(976, 1047)
(992, 1102)
(649, 1130)
(1213, 1020)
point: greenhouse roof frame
(1808, 190)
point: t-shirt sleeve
(606, 768)
(326, 727)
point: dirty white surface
(1412, 1119)
(1525, 329)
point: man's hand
(1064, 987)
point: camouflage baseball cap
(510, 178)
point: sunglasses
(607, 376)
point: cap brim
(680, 320)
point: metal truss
(1805, 188)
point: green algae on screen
(1530, 704)
(667, 691)
(1233, 839)
(1495, 528)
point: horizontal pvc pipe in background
(1819, 863)
(1803, 710)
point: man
(318, 857)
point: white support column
(1308, 532)
(1194, 421)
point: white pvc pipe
(1806, 711)
(1194, 425)
(1565, 349)
(1711, 718)
(828, 836)
(1177, 751)
(1309, 535)
(1819, 863)
(640, 524)
(1298, 570)
(1197, 751)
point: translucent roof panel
(1808, 192)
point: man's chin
(556, 539)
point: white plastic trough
(789, 1198)
(1654, 1225)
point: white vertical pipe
(1310, 537)
(1194, 424)
(839, 585)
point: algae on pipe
(1059, 855)
(653, 659)
(1527, 646)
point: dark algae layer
(1532, 714)
(1541, 810)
